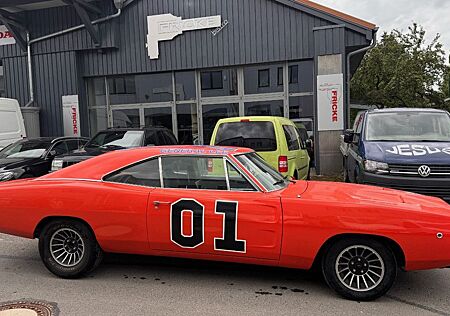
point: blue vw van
(405, 149)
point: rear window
(291, 137)
(259, 136)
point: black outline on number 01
(229, 211)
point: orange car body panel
(281, 228)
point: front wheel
(69, 249)
(359, 269)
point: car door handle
(158, 203)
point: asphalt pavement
(133, 285)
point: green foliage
(402, 71)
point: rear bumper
(437, 187)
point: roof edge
(341, 15)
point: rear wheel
(69, 249)
(359, 269)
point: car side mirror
(308, 144)
(349, 136)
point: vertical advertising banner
(6, 37)
(330, 102)
(71, 115)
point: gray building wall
(259, 31)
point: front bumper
(437, 187)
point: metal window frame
(240, 99)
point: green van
(275, 139)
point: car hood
(408, 152)
(13, 163)
(345, 193)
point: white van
(12, 127)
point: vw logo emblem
(424, 171)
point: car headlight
(57, 164)
(7, 175)
(375, 166)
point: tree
(402, 71)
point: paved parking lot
(131, 285)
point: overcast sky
(433, 15)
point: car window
(60, 148)
(202, 173)
(163, 140)
(257, 135)
(171, 140)
(144, 174)
(82, 142)
(237, 181)
(72, 145)
(151, 139)
(291, 137)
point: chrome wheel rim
(67, 247)
(360, 268)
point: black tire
(370, 286)
(308, 177)
(295, 175)
(73, 235)
(27, 176)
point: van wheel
(359, 269)
(309, 174)
(69, 249)
(295, 176)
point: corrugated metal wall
(55, 75)
(259, 31)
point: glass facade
(191, 102)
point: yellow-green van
(275, 139)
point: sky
(433, 15)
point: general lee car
(172, 201)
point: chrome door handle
(158, 203)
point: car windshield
(268, 177)
(25, 149)
(259, 136)
(408, 126)
(117, 139)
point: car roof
(257, 119)
(97, 167)
(406, 110)
(124, 129)
(53, 139)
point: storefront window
(96, 91)
(301, 107)
(187, 124)
(263, 79)
(154, 88)
(301, 76)
(212, 113)
(98, 120)
(265, 108)
(217, 83)
(159, 116)
(126, 118)
(122, 90)
(185, 87)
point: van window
(9, 122)
(259, 136)
(291, 137)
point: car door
(200, 210)
(297, 156)
(354, 155)
(59, 148)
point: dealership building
(182, 64)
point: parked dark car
(117, 139)
(405, 149)
(31, 158)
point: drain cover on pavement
(28, 308)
